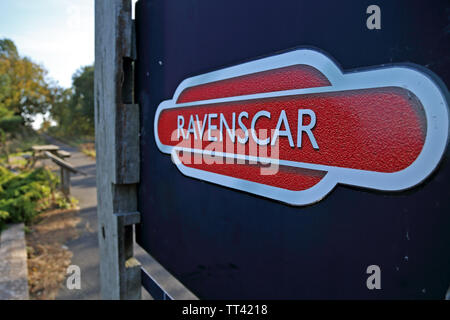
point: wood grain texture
(117, 150)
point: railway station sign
(383, 129)
(294, 149)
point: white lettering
(211, 127)
(302, 128)
(243, 127)
(223, 123)
(259, 114)
(191, 127)
(282, 120)
(201, 129)
(180, 125)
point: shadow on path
(85, 247)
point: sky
(57, 34)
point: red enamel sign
(292, 126)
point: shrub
(21, 194)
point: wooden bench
(66, 168)
(53, 153)
(63, 154)
(38, 153)
(39, 150)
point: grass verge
(88, 149)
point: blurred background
(47, 106)
(47, 56)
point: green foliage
(22, 195)
(24, 93)
(73, 109)
(8, 48)
(24, 90)
(11, 123)
(18, 141)
(24, 140)
(4, 216)
(63, 203)
(83, 97)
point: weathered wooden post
(65, 182)
(117, 146)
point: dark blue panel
(222, 243)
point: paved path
(85, 247)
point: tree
(24, 91)
(83, 97)
(61, 112)
(8, 48)
(73, 109)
